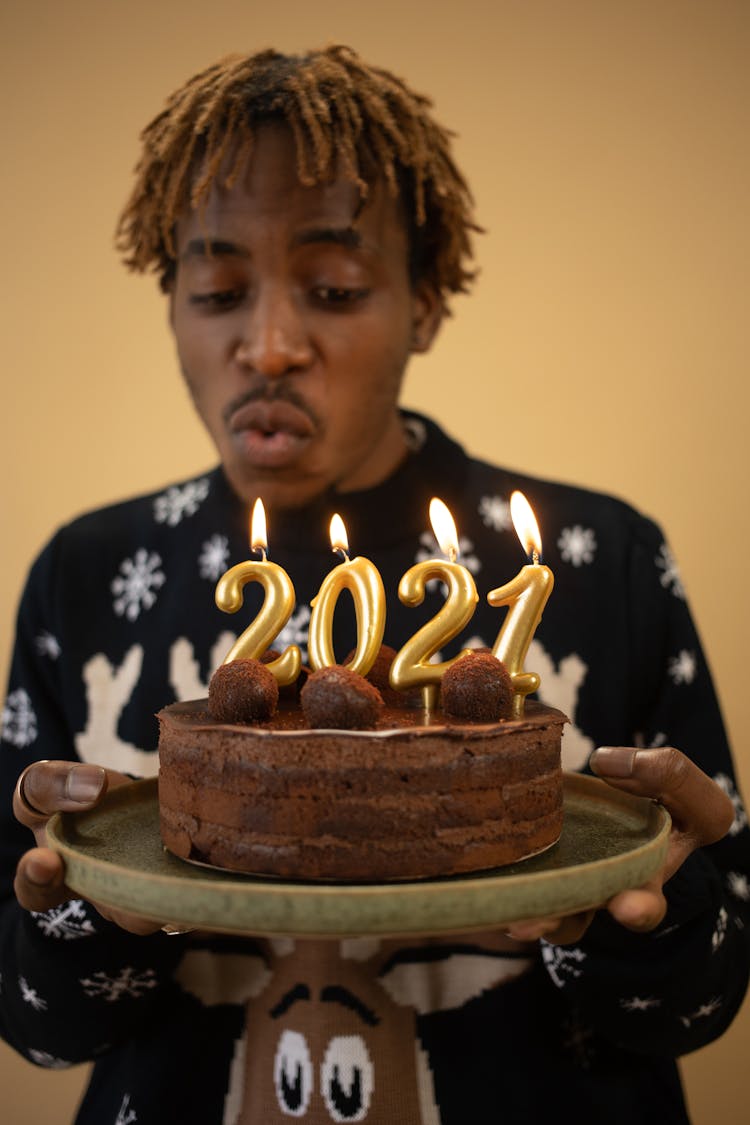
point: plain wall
(606, 344)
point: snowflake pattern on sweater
(424, 1030)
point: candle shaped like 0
(277, 608)
(526, 596)
(411, 667)
(362, 578)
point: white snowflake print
(30, 996)
(703, 1012)
(670, 576)
(740, 816)
(639, 1003)
(214, 556)
(683, 667)
(68, 921)
(561, 962)
(134, 586)
(50, 1062)
(430, 549)
(495, 513)
(19, 725)
(721, 930)
(659, 739)
(47, 645)
(174, 505)
(295, 631)
(126, 1116)
(577, 545)
(738, 885)
(126, 983)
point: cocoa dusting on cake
(338, 699)
(243, 691)
(477, 687)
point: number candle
(526, 596)
(277, 608)
(411, 667)
(361, 577)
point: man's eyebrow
(348, 237)
(337, 994)
(299, 992)
(212, 248)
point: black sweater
(118, 618)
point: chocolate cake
(417, 796)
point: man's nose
(275, 340)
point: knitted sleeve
(673, 990)
(67, 962)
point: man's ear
(428, 311)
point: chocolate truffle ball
(378, 675)
(339, 699)
(477, 687)
(243, 691)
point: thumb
(701, 811)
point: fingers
(40, 880)
(45, 788)
(641, 909)
(558, 931)
(699, 809)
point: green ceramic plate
(113, 854)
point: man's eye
(217, 301)
(339, 296)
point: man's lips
(273, 434)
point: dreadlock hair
(347, 118)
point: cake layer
(412, 799)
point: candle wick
(340, 551)
(262, 551)
(535, 558)
(452, 554)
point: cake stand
(113, 854)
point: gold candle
(362, 578)
(277, 608)
(411, 667)
(526, 596)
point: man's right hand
(44, 789)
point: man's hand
(701, 812)
(46, 788)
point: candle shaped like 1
(412, 668)
(362, 578)
(277, 608)
(526, 596)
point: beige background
(606, 344)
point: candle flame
(258, 535)
(444, 528)
(339, 541)
(524, 521)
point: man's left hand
(701, 812)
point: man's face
(294, 318)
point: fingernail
(613, 761)
(84, 783)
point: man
(308, 226)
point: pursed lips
(272, 434)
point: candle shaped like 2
(362, 578)
(526, 596)
(411, 667)
(277, 608)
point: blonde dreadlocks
(347, 118)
